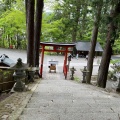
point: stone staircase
(59, 99)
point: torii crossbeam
(56, 47)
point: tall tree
(30, 32)
(12, 23)
(8, 4)
(39, 10)
(98, 7)
(111, 36)
(74, 14)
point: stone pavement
(58, 99)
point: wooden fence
(6, 81)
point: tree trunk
(26, 9)
(103, 69)
(30, 32)
(83, 26)
(17, 45)
(93, 44)
(8, 38)
(104, 66)
(75, 26)
(3, 39)
(39, 9)
(74, 34)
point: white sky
(48, 6)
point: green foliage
(111, 74)
(6, 73)
(14, 18)
(116, 47)
(12, 24)
(68, 17)
(116, 69)
(114, 61)
(23, 44)
(19, 5)
(52, 31)
(77, 79)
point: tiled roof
(85, 46)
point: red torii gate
(56, 47)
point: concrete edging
(18, 112)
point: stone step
(40, 117)
(62, 109)
(63, 101)
(67, 100)
(71, 116)
(76, 104)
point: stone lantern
(72, 72)
(85, 71)
(19, 74)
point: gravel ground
(4, 96)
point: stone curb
(18, 110)
(17, 113)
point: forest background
(63, 21)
